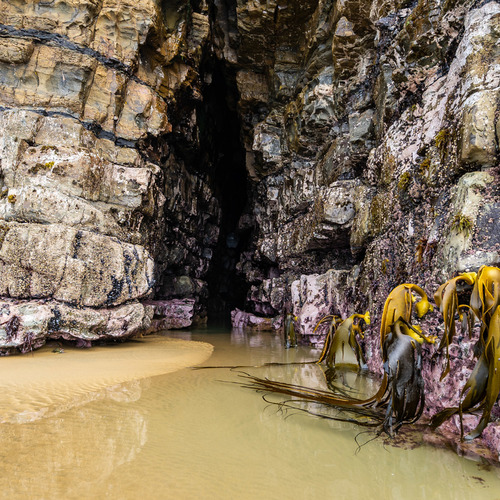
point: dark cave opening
(223, 158)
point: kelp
(401, 392)
(342, 334)
(446, 298)
(400, 397)
(334, 322)
(485, 299)
(483, 386)
(404, 378)
(289, 331)
(399, 305)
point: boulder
(27, 324)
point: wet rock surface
(248, 156)
(170, 314)
(26, 325)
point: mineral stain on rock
(115, 291)
(244, 156)
(54, 323)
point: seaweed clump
(441, 142)
(483, 386)
(404, 181)
(400, 397)
(462, 224)
(342, 334)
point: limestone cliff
(241, 154)
(191, 157)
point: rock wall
(94, 204)
(378, 159)
(173, 159)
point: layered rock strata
(309, 155)
(87, 90)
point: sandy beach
(45, 383)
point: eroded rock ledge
(242, 155)
(27, 324)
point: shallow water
(190, 435)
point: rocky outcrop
(87, 94)
(25, 325)
(257, 156)
(170, 314)
(244, 320)
(386, 155)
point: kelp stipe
(342, 334)
(446, 298)
(404, 376)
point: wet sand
(190, 434)
(45, 383)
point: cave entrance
(224, 159)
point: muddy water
(118, 422)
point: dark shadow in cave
(224, 161)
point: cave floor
(190, 434)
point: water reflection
(68, 455)
(45, 384)
(189, 434)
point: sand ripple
(45, 383)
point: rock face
(86, 91)
(241, 155)
(170, 314)
(25, 325)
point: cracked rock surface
(183, 159)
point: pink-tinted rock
(26, 324)
(171, 314)
(315, 296)
(242, 319)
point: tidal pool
(131, 421)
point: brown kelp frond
(474, 391)
(264, 365)
(492, 358)
(404, 374)
(332, 318)
(447, 299)
(364, 419)
(399, 305)
(467, 318)
(334, 321)
(439, 418)
(342, 334)
(483, 386)
(485, 297)
(300, 392)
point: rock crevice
(255, 156)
